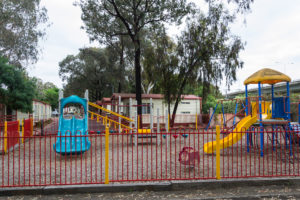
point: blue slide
(72, 133)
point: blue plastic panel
(279, 107)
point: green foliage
(208, 53)
(210, 103)
(51, 97)
(107, 20)
(16, 90)
(93, 69)
(20, 30)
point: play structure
(259, 112)
(72, 133)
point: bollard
(5, 136)
(106, 154)
(218, 153)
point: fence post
(218, 153)
(130, 116)
(157, 127)
(151, 115)
(136, 128)
(167, 127)
(119, 109)
(106, 154)
(31, 127)
(23, 133)
(19, 130)
(196, 126)
(5, 136)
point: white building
(41, 110)
(188, 108)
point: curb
(159, 186)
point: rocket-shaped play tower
(72, 137)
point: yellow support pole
(92, 116)
(196, 122)
(5, 136)
(168, 123)
(19, 130)
(31, 127)
(218, 153)
(106, 181)
(23, 131)
(221, 121)
(138, 126)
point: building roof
(153, 96)
(40, 102)
(267, 76)
(106, 99)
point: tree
(94, 69)
(51, 97)
(208, 52)
(160, 64)
(113, 18)
(16, 90)
(20, 30)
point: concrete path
(233, 189)
(251, 192)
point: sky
(271, 34)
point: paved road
(250, 192)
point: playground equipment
(259, 112)
(72, 133)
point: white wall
(189, 107)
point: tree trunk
(177, 102)
(122, 65)
(138, 88)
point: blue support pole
(260, 121)
(246, 95)
(299, 113)
(272, 88)
(235, 111)
(211, 116)
(273, 134)
(288, 109)
(288, 101)
(246, 110)
(224, 120)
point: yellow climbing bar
(110, 120)
(109, 111)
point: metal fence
(158, 156)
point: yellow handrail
(109, 111)
(109, 120)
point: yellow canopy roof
(267, 76)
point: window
(185, 102)
(146, 108)
(186, 112)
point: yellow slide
(240, 129)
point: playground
(102, 146)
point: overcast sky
(271, 34)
